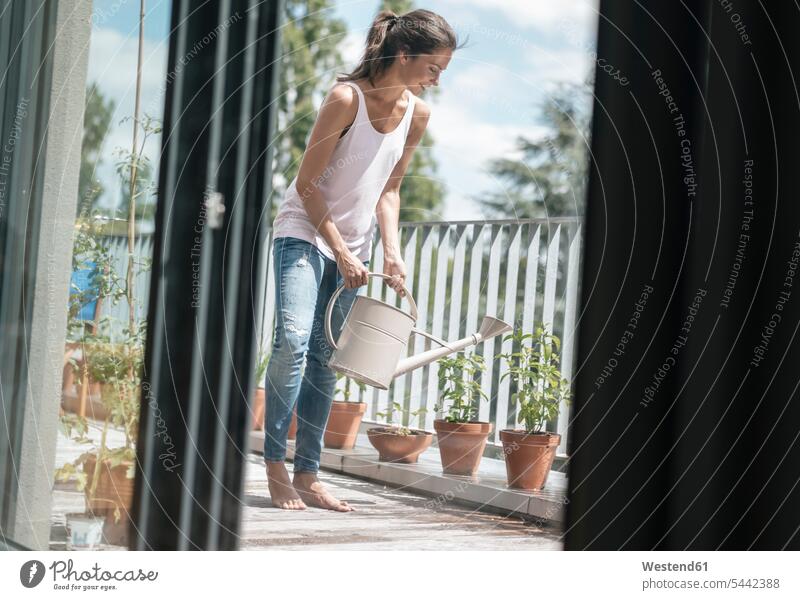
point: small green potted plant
(540, 390)
(398, 443)
(461, 437)
(345, 417)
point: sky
(112, 65)
(489, 94)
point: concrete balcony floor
(387, 517)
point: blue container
(82, 280)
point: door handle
(215, 209)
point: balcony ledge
(487, 491)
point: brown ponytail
(416, 32)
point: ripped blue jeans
(305, 280)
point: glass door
(214, 178)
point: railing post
(421, 296)
(442, 262)
(492, 293)
(570, 310)
(509, 316)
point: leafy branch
(540, 387)
(346, 392)
(397, 408)
(459, 386)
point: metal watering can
(375, 333)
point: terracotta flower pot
(393, 447)
(461, 445)
(529, 457)
(260, 416)
(343, 422)
(114, 491)
(258, 409)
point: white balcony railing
(115, 316)
(522, 271)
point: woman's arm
(337, 112)
(388, 209)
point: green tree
(144, 206)
(96, 120)
(310, 55)
(550, 178)
(421, 193)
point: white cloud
(562, 65)
(539, 14)
(463, 150)
(112, 65)
(351, 48)
(478, 117)
(493, 92)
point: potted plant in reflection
(461, 437)
(93, 284)
(540, 390)
(105, 471)
(345, 417)
(398, 443)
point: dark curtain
(686, 416)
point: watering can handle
(332, 301)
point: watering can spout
(490, 327)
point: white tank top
(351, 184)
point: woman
(349, 178)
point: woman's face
(423, 71)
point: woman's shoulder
(343, 96)
(422, 113)
(343, 91)
(421, 108)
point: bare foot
(281, 490)
(313, 493)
